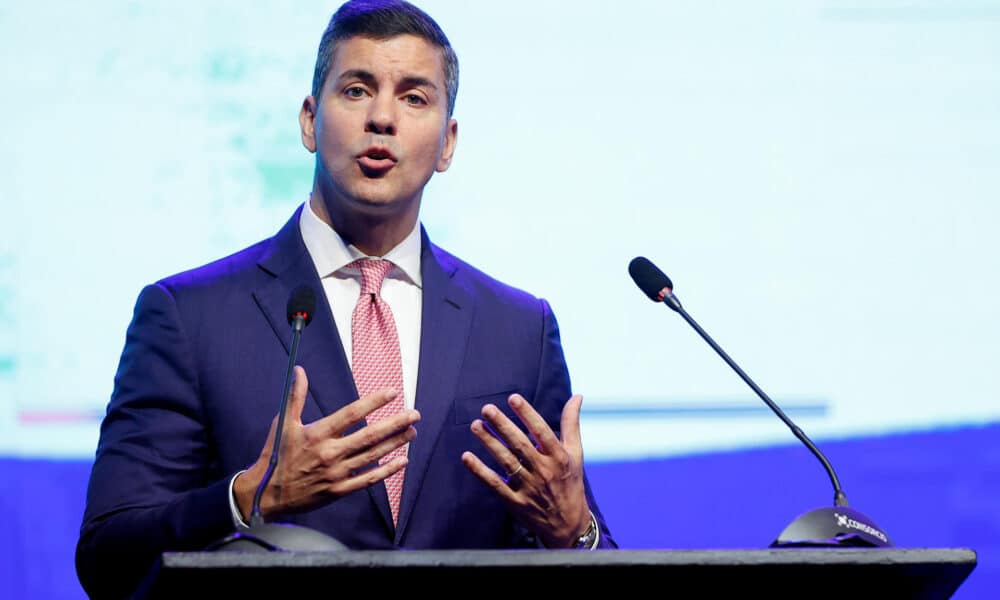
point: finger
(571, 427)
(539, 429)
(507, 459)
(377, 452)
(374, 433)
(488, 476)
(269, 442)
(370, 477)
(510, 433)
(297, 395)
(335, 424)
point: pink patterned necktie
(376, 361)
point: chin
(379, 203)
(374, 197)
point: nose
(382, 116)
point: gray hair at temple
(381, 20)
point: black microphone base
(277, 537)
(837, 526)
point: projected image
(818, 180)
(818, 185)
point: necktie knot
(373, 272)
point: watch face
(587, 539)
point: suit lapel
(446, 316)
(331, 384)
(321, 353)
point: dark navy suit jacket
(200, 380)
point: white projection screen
(820, 180)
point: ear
(307, 123)
(448, 150)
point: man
(431, 407)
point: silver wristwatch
(588, 537)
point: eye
(355, 91)
(414, 99)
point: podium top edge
(550, 558)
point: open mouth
(375, 161)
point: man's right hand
(318, 462)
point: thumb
(297, 395)
(570, 425)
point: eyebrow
(368, 78)
(361, 74)
(415, 81)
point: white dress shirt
(401, 289)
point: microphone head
(649, 278)
(301, 303)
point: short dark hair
(380, 20)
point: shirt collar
(331, 254)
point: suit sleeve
(554, 391)
(154, 486)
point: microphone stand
(261, 536)
(256, 517)
(839, 497)
(834, 526)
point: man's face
(380, 126)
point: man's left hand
(543, 484)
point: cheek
(331, 124)
(325, 133)
(332, 144)
(430, 148)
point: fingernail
(515, 401)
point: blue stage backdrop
(819, 178)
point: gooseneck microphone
(300, 309)
(261, 536)
(838, 526)
(659, 288)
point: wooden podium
(924, 573)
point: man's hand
(318, 463)
(543, 484)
